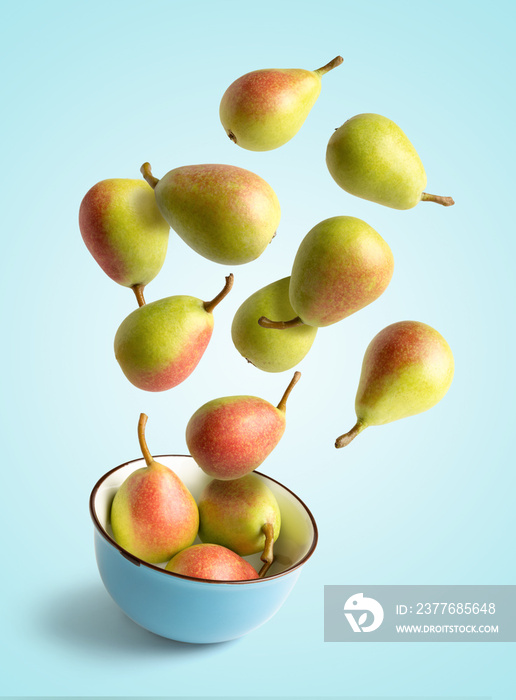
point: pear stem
(141, 438)
(138, 291)
(232, 136)
(268, 550)
(438, 199)
(345, 439)
(265, 322)
(282, 406)
(210, 305)
(147, 174)
(330, 66)
(264, 569)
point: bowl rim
(140, 562)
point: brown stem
(438, 199)
(138, 291)
(268, 550)
(345, 439)
(141, 438)
(265, 322)
(232, 136)
(147, 174)
(210, 305)
(264, 569)
(330, 66)
(282, 406)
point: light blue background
(92, 90)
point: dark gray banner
(419, 613)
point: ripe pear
(212, 562)
(341, 266)
(407, 369)
(123, 229)
(264, 109)
(231, 436)
(160, 344)
(371, 157)
(241, 514)
(153, 515)
(226, 214)
(263, 347)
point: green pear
(153, 515)
(264, 109)
(123, 229)
(160, 344)
(226, 214)
(371, 157)
(242, 515)
(211, 562)
(262, 347)
(231, 436)
(407, 368)
(341, 266)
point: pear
(241, 514)
(160, 344)
(212, 562)
(124, 231)
(371, 157)
(407, 369)
(231, 436)
(264, 109)
(341, 266)
(262, 347)
(226, 214)
(153, 515)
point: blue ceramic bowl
(197, 610)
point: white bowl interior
(297, 531)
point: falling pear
(124, 231)
(226, 214)
(160, 344)
(407, 368)
(341, 266)
(262, 347)
(231, 436)
(264, 109)
(370, 157)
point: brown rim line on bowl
(140, 562)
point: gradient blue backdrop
(93, 89)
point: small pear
(241, 514)
(264, 109)
(263, 347)
(153, 515)
(371, 157)
(226, 214)
(407, 368)
(160, 344)
(341, 266)
(123, 229)
(231, 436)
(212, 562)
